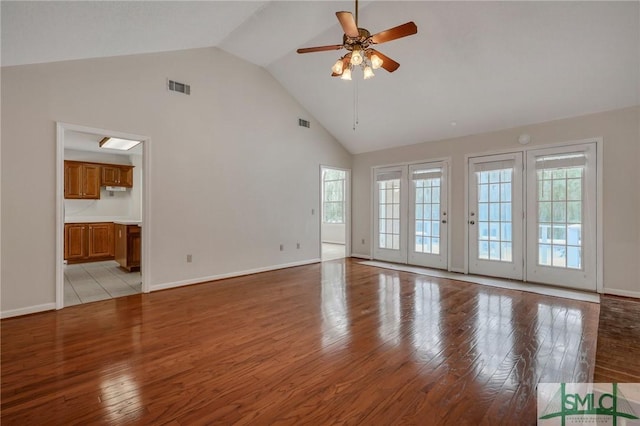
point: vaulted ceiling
(481, 65)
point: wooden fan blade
(387, 63)
(400, 31)
(348, 24)
(319, 48)
(345, 63)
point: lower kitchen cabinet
(128, 246)
(88, 242)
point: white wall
(333, 233)
(621, 134)
(232, 175)
(125, 205)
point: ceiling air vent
(176, 86)
(304, 123)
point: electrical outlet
(189, 258)
(281, 247)
(298, 246)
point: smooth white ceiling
(484, 65)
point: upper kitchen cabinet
(117, 175)
(81, 180)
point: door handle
(471, 222)
(444, 221)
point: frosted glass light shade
(376, 62)
(117, 143)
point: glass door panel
(495, 216)
(390, 227)
(561, 196)
(428, 215)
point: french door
(561, 231)
(428, 215)
(553, 233)
(495, 216)
(410, 214)
(391, 229)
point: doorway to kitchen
(102, 199)
(334, 213)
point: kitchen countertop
(123, 221)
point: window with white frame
(333, 192)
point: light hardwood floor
(334, 342)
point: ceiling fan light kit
(358, 42)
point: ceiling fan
(358, 42)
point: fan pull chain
(355, 105)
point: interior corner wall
(232, 174)
(620, 131)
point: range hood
(116, 188)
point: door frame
(599, 198)
(61, 127)
(372, 206)
(347, 209)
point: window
(494, 215)
(560, 199)
(333, 191)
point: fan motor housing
(363, 40)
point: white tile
(90, 291)
(90, 282)
(95, 298)
(123, 292)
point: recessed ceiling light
(117, 143)
(454, 123)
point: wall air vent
(175, 86)
(304, 123)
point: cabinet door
(91, 181)
(134, 247)
(74, 241)
(110, 175)
(100, 240)
(126, 176)
(72, 180)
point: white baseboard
(342, 243)
(28, 310)
(164, 286)
(625, 293)
(457, 270)
(361, 256)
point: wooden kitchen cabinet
(128, 246)
(75, 240)
(81, 180)
(117, 175)
(88, 242)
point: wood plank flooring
(336, 342)
(618, 355)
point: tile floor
(333, 251)
(90, 282)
